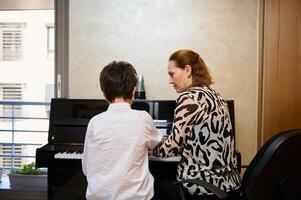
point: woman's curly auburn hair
(199, 70)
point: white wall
(145, 33)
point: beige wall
(145, 33)
(26, 4)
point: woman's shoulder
(198, 89)
(196, 92)
(204, 91)
(198, 95)
(190, 96)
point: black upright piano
(67, 127)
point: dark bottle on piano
(140, 91)
(139, 95)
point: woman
(202, 131)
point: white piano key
(78, 156)
(169, 159)
(68, 155)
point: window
(27, 65)
(7, 149)
(11, 41)
(11, 91)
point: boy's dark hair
(118, 79)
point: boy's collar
(121, 105)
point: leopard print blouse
(202, 134)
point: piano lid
(158, 109)
(69, 118)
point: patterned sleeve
(184, 117)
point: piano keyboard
(78, 156)
(169, 159)
(68, 155)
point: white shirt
(115, 157)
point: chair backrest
(275, 171)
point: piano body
(67, 127)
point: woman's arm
(184, 117)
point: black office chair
(273, 174)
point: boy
(115, 157)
